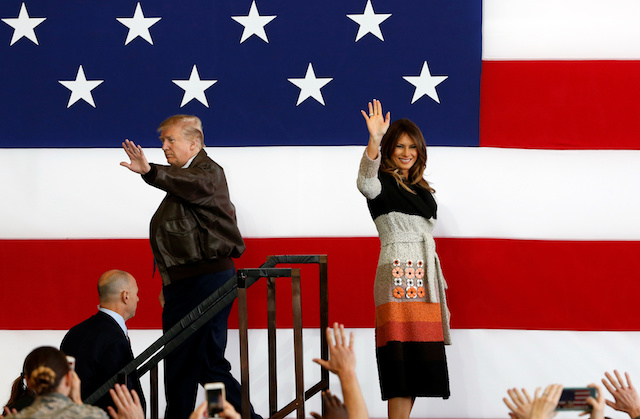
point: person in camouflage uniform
(57, 387)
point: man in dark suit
(100, 344)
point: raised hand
(597, 405)
(543, 407)
(377, 124)
(228, 412)
(625, 395)
(520, 403)
(128, 405)
(8, 413)
(139, 162)
(74, 393)
(342, 357)
(200, 412)
(333, 407)
(342, 362)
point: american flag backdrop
(530, 113)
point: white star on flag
(138, 25)
(310, 86)
(81, 88)
(194, 88)
(425, 84)
(253, 23)
(369, 22)
(24, 25)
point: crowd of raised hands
(342, 362)
(543, 405)
(128, 404)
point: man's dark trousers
(200, 359)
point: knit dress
(412, 318)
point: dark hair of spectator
(20, 393)
(44, 368)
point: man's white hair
(191, 127)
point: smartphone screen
(215, 398)
(72, 362)
(576, 399)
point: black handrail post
(243, 326)
(153, 388)
(324, 320)
(271, 340)
(297, 340)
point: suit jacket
(101, 349)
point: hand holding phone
(215, 398)
(72, 362)
(576, 398)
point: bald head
(118, 291)
(112, 283)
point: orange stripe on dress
(409, 332)
(408, 311)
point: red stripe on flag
(493, 283)
(560, 104)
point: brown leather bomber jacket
(194, 230)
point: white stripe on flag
(311, 192)
(560, 30)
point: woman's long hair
(44, 368)
(388, 146)
(19, 390)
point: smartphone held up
(215, 398)
(72, 362)
(576, 399)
